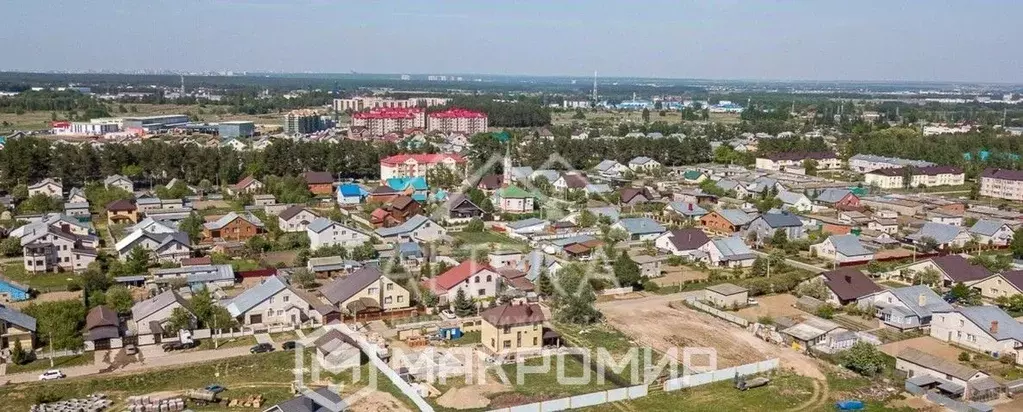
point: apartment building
(864, 163)
(458, 121)
(1002, 184)
(928, 176)
(794, 160)
(381, 121)
(357, 104)
(302, 122)
(416, 165)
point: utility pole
(51, 348)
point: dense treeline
(524, 112)
(791, 144)
(584, 154)
(1004, 151)
(27, 160)
(53, 101)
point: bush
(826, 311)
(964, 356)
(765, 320)
(651, 286)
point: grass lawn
(480, 238)
(281, 337)
(784, 392)
(891, 284)
(244, 341)
(467, 339)
(58, 363)
(595, 336)
(413, 319)
(44, 282)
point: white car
(446, 314)
(751, 301)
(51, 374)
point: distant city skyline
(901, 40)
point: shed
(726, 295)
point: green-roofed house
(694, 176)
(514, 199)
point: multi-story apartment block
(458, 120)
(865, 163)
(302, 122)
(416, 165)
(919, 176)
(1001, 183)
(794, 160)
(388, 120)
(357, 104)
(49, 248)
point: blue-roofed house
(992, 232)
(945, 236)
(905, 308)
(13, 291)
(730, 252)
(982, 328)
(640, 228)
(274, 302)
(414, 187)
(685, 211)
(16, 326)
(767, 224)
(843, 249)
(350, 194)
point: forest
(962, 150)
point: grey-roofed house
(686, 210)
(417, 228)
(331, 266)
(905, 308)
(522, 173)
(726, 295)
(526, 226)
(16, 326)
(366, 290)
(832, 196)
(550, 175)
(737, 217)
(149, 317)
(536, 262)
(843, 249)
(982, 328)
(944, 235)
(767, 224)
(164, 247)
(795, 201)
(730, 252)
(120, 182)
(992, 232)
(932, 372)
(640, 228)
(219, 276)
(326, 400)
(273, 302)
(80, 209)
(102, 329)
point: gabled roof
(246, 182)
(524, 223)
(18, 318)
(293, 211)
(732, 248)
(513, 314)
(461, 201)
(607, 164)
(913, 296)
(121, 205)
(549, 174)
(687, 239)
(598, 188)
(342, 289)
(574, 181)
(832, 195)
(513, 192)
(407, 227)
(940, 232)
(848, 245)
(848, 283)
(303, 403)
(640, 225)
(402, 183)
(926, 360)
(351, 189)
(143, 309)
(790, 198)
(629, 193)
(458, 274)
(687, 209)
(318, 178)
(783, 219)
(986, 316)
(987, 227)
(101, 316)
(959, 269)
(491, 182)
(641, 160)
(735, 216)
(255, 295)
(161, 239)
(230, 217)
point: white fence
(717, 312)
(617, 291)
(581, 401)
(689, 381)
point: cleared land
(675, 275)
(924, 343)
(774, 306)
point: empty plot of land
(775, 306)
(675, 275)
(926, 344)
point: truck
(201, 396)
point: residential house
(365, 291)
(16, 326)
(729, 252)
(537, 262)
(550, 175)
(526, 226)
(726, 221)
(150, 318)
(512, 327)
(1002, 183)
(928, 176)
(120, 182)
(731, 186)
(631, 196)
(991, 232)
(503, 258)
(273, 302)
(54, 220)
(490, 183)
(944, 236)
(264, 200)
(418, 228)
(640, 228)
(350, 194)
(413, 165)
(796, 202)
(810, 333)
(295, 218)
(324, 232)
(685, 211)
(607, 213)
(767, 224)
(397, 211)
(196, 276)
(233, 226)
(319, 183)
(999, 285)
(570, 181)
(838, 198)
(846, 285)
(460, 208)
(643, 164)
(77, 195)
(933, 373)
(513, 199)
(611, 169)
(80, 210)
(884, 225)
(688, 243)
(951, 268)
(726, 295)
(332, 266)
(249, 185)
(985, 329)
(49, 187)
(843, 249)
(102, 329)
(48, 248)
(694, 177)
(597, 189)
(153, 226)
(147, 204)
(121, 212)
(476, 280)
(906, 308)
(170, 247)
(414, 187)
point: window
(482, 292)
(271, 300)
(390, 286)
(387, 300)
(372, 291)
(400, 298)
(507, 344)
(280, 313)
(493, 343)
(285, 298)
(507, 329)
(536, 326)
(961, 323)
(489, 279)
(534, 341)
(477, 279)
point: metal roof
(255, 295)
(848, 245)
(18, 318)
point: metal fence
(689, 381)
(957, 406)
(717, 312)
(581, 401)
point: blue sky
(975, 40)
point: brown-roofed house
(491, 182)
(400, 209)
(847, 285)
(513, 327)
(102, 328)
(320, 183)
(247, 185)
(122, 212)
(632, 196)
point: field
(784, 392)
(268, 375)
(477, 239)
(58, 363)
(924, 343)
(675, 275)
(41, 119)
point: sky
(916, 40)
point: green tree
(137, 261)
(574, 303)
(202, 306)
(815, 289)
(1017, 244)
(180, 319)
(10, 247)
(119, 299)
(864, 358)
(463, 306)
(18, 354)
(40, 203)
(303, 278)
(59, 323)
(365, 251)
(964, 295)
(810, 166)
(646, 115)
(192, 225)
(586, 219)
(779, 239)
(627, 271)
(475, 225)
(546, 286)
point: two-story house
(120, 182)
(149, 318)
(273, 302)
(122, 212)
(478, 281)
(295, 218)
(49, 187)
(512, 327)
(48, 248)
(366, 290)
(324, 232)
(233, 226)
(164, 247)
(906, 308)
(982, 328)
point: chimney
(921, 300)
(994, 327)
(848, 279)
(690, 207)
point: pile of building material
(153, 404)
(253, 401)
(93, 403)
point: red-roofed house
(416, 165)
(478, 281)
(247, 185)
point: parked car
(289, 345)
(52, 374)
(173, 346)
(131, 350)
(215, 388)
(446, 314)
(262, 348)
(751, 301)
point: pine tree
(463, 305)
(545, 284)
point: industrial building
(236, 128)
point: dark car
(173, 346)
(262, 348)
(289, 345)
(215, 388)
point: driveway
(264, 338)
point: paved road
(798, 264)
